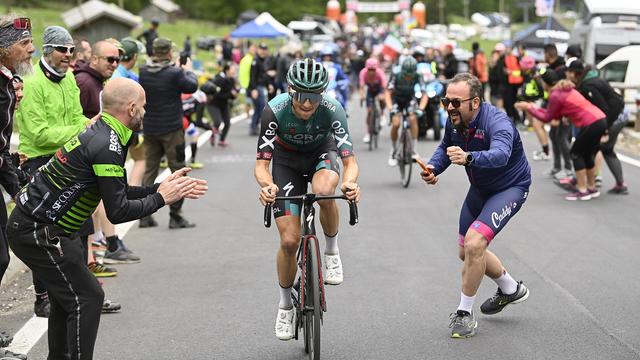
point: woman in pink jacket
(565, 100)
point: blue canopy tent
(264, 26)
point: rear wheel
(313, 309)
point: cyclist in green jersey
(401, 92)
(302, 134)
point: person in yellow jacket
(244, 75)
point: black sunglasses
(62, 48)
(111, 59)
(304, 96)
(455, 102)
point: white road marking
(35, 327)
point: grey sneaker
(463, 325)
(120, 256)
(497, 302)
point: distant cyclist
(303, 132)
(373, 78)
(401, 94)
(483, 140)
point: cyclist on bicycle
(401, 93)
(303, 132)
(373, 77)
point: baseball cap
(162, 46)
(576, 65)
(130, 49)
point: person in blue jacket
(483, 139)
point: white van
(622, 70)
(604, 26)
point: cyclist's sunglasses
(111, 59)
(62, 48)
(455, 102)
(22, 24)
(301, 97)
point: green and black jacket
(87, 169)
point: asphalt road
(211, 292)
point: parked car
(207, 42)
(622, 70)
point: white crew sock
(466, 302)
(285, 298)
(415, 145)
(506, 283)
(332, 245)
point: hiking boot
(100, 271)
(120, 256)
(109, 306)
(147, 222)
(497, 302)
(179, 222)
(9, 355)
(42, 308)
(285, 323)
(463, 324)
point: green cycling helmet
(308, 75)
(409, 65)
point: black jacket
(450, 66)
(87, 169)
(164, 83)
(258, 75)
(8, 177)
(601, 94)
(220, 90)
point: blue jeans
(258, 105)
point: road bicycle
(308, 291)
(373, 124)
(404, 152)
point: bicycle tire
(370, 129)
(313, 315)
(404, 161)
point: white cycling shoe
(366, 139)
(284, 324)
(392, 159)
(333, 270)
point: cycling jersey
(499, 159)
(403, 89)
(375, 84)
(87, 169)
(280, 126)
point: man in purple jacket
(482, 139)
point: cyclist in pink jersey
(373, 77)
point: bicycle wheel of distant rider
(404, 160)
(313, 308)
(371, 129)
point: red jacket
(570, 103)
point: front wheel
(313, 308)
(404, 158)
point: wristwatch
(469, 159)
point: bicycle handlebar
(353, 208)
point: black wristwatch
(469, 159)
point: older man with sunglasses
(482, 139)
(16, 48)
(49, 115)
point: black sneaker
(497, 302)
(463, 325)
(147, 222)
(109, 306)
(5, 339)
(179, 222)
(9, 355)
(42, 308)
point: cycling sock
(545, 149)
(285, 298)
(194, 150)
(506, 283)
(332, 245)
(466, 302)
(112, 243)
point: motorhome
(604, 26)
